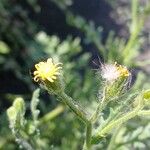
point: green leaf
(34, 103)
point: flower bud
(12, 114)
(16, 113)
(19, 105)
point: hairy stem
(99, 108)
(97, 112)
(88, 136)
(79, 111)
(75, 107)
(114, 123)
(23, 142)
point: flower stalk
(74, 106)
(79, 111)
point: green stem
(88, 136)
(134, 13)
(52, 114)
(79, 111)
(99, 108)
(23, 142)
(97, 112)
(75, 107)
(136, 26)
(114, 123)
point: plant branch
(99, 108)
(75, 107)
(114, 123)
(87, 143)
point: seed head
(111, 72)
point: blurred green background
(81, 35)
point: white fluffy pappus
(109, 72)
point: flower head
(111, 72)
(123, 71)
(47, 71)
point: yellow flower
(47, 71)
(123, 71)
